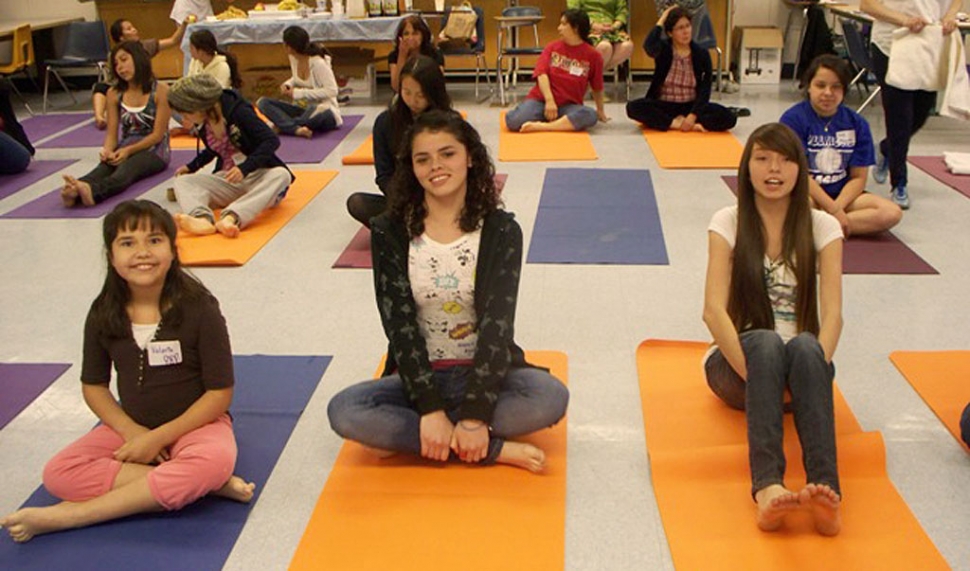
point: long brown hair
(748, 303)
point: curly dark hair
(406, 195)
(674, 17)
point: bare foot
(195, 224)
(774, 503)
(69, 191)
(228, 226)
(24, 524)
(531, 127)
(522, 455)
(699, 128)
(236, 489)
(380, 453)
(304, 132)
(676, 123)
(84, 193)
(824, 503)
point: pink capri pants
(200, 462)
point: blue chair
(508, 46)
(86, 46)
(477, 49)
(859, 56)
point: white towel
(915, 60)
(956, 96)
(957, 163)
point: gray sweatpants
(199, 193)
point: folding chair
(86, 46)
(22, 59)
(477, 49)
(508, 46)
(859, 56)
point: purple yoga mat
(936, 168)
(21, 383)
(300, 150)
(37, 170)
(43, 126)
(50, 206)
(84, 136)
(881, 253)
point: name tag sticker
(576, 70)
(164, 353)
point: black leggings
(363, 206)
(658, 115)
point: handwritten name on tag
(164, 353)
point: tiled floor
(288, 300)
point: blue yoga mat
(597, 216)
(271, 393)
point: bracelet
(462, 424)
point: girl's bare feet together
(304, 132)
(522, 455)
(774, 503)
(824, 504)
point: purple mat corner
(49, 205)
(37, 170)
(21, 383)
(881, 253)
(43, 126)
(597, 216)
(300, 150)
(936, 168)
(357, 253)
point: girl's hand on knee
(551, 112)
(234, 175)
(144, 448)
(436, 433)
(470, 440)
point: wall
(20, 9)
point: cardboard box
(354, 68)
(263, 81)
(757, 55)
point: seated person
(840, 150)
(422, 89)
(122, 30)
(447, 260)
(312, 88)
(413, 38)
(15, 147)
(138, 104)
(608, 19)
(231, 131)
(566, 69)
(679, 96)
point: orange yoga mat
(678, 150)
(565, 146)
(217, 250)
(362, 155)
(407, 514)
(940, 378)
(699, 467)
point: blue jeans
(14, 157)
(379, 414)
(288, 117)
(580, 116)
(773, 366)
